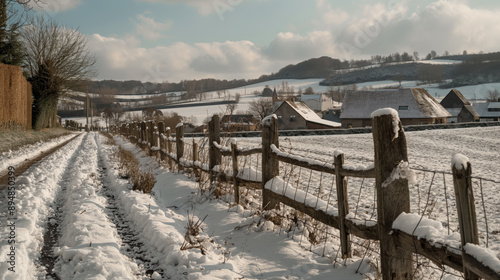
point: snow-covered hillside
(202, 112)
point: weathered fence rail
(390, 168)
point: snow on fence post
(234, 156)
(462, 174)
(270, 164)
(214, 155)
(179, 143)
(393, 195)
(161, 133)
(343, 204)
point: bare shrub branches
(141, 180)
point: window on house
(292, 118)
(403, 108)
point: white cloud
(150, 29)
(379, 28)
(204, 7)
(124, 59)
(53, 7)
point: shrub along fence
(15, 97)
(395, 228)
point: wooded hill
(471, 69)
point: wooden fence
(397, 246)
(15, 97)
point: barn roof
(410, 103)
(485, 109)
(309, 115)
(454, 99)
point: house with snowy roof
(488, 111)
(318, 102)
(294, 115)
(414, 105)
(459, 107)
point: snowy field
(83, 182)
(430, 155)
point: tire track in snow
(88, 244)
(131, 247)
(36, 190)
(51, 235)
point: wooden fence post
(195, 159)
(179, 143)
(169, 147)
(143, 134)
(161, 133)
(234, 155)
(393, 195)
(270, 164)
(214, 156)
(343, 204)
(464, 195)
(151, 137)
(138, 132)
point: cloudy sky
(171, 40)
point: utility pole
(87, 104)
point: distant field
(470, 92)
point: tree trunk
(44, 109)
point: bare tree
(493, 96)
(57, 60)
(261, 107)
(309, 90)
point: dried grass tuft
(129, 165)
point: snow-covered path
(75, 218)
(78, 219)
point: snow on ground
(253, 252)
(235, 243)
(13, 158)
(432, 193)
(88, 246)
(36, 191)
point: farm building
(459, 107)
(238, 123)
(296, 115)
(415, 106)
(318, 102)
(267, 92)
(488, 111)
